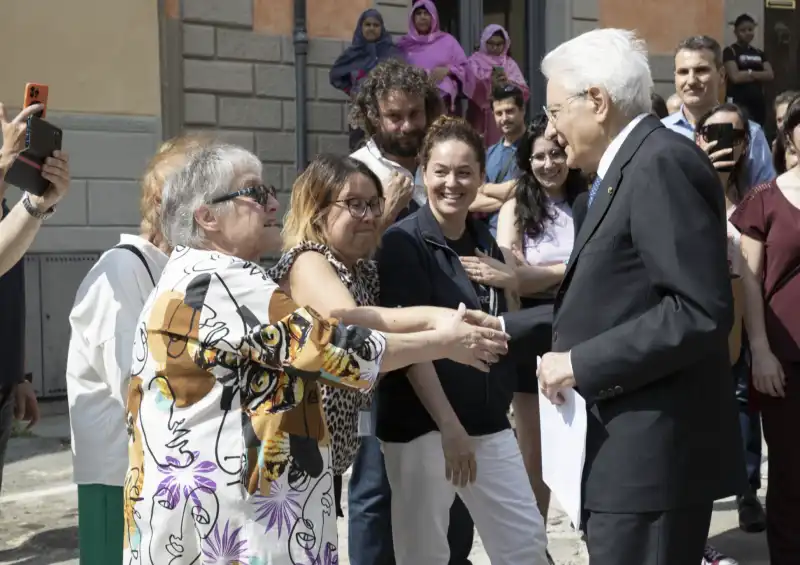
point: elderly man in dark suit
(642, 317)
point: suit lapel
(608, 189)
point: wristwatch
(31, 208)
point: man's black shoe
(751, 514)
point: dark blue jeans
(370, 513)
(749, 419)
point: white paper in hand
(563, 429)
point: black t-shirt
(465, 247)
(749, 95)
(12, 321)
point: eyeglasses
(552, 114)
(358, 206)
(261, 193)
(556, 156)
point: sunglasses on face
(260, 193)
(358, 206)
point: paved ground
(38, 509)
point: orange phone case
(36, 94)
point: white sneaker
(711, 556)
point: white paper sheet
(563, 429)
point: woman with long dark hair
(731, 164)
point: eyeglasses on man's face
(358, 206)
(552, 113)
(260, 193)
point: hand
(56, 170)
(720, 159)
(459, 455)
(14, 135)
(488, 270)
(555, 374)
(399, 191)
(439, 73)
(499, 76)
(483, 320)
(768, 377)
(26, 408)
(519, 255)
(469, 344)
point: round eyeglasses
(358, 206)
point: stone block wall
(239, 83)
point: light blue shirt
(759, 156)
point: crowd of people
(216, 406)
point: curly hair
(531, 211)
(169, 158)
(390, 76)
(446, 128)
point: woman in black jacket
(444, 427)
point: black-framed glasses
(261, 193)
(358, 206)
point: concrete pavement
(38, 509)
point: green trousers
(101, 524)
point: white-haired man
(642, 317)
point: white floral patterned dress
(229, 460)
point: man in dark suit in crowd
(643, 314)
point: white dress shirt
(103, 321)
(384, 168)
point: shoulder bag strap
(135, 250)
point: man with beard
(501, 158)
(395, 105)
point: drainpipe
(300, 38)
(536, 16)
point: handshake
(470, 337)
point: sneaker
(713, 557)
(751, 514)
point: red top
(766, 215)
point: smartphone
(723, 134)
(498, 70)
(41, 140)
(36, 93)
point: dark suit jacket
(645, 309)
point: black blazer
(645, 309)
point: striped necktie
(594, 189)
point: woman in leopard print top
(330, 234)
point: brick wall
(240, 84)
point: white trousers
(500, 501)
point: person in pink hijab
(488, 66)
(434, 50)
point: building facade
(227, 66)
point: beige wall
(97, 56)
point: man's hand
(555, 374)
(399, 191)
(468, 344)
(14, 135)
(26, 408)
(482, 319)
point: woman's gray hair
(615, 59)
(210, 171)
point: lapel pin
(610, 190)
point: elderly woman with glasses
(229, 458)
